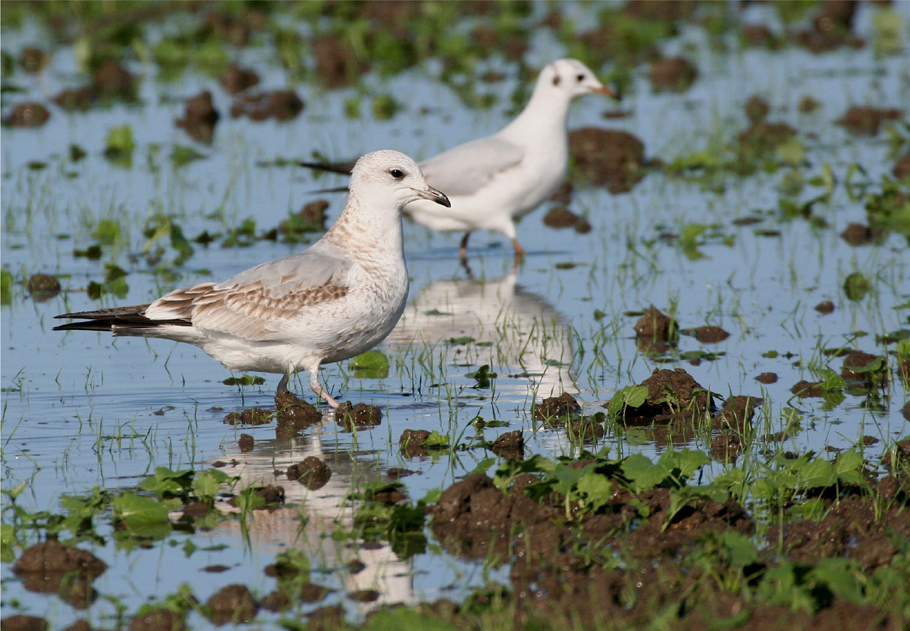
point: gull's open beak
(606, 91)
(434, 196)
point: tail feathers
(344, 168)
(117, 317)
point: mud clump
(28, 114)
(112, 80)
(21, 622)
(727, 446)
(554, 408)
(608, 157)
(901, 169)
(673, 74)
(282, 105)
(311, 472)
(857, 360)
(762, 138)
(237, 79)
(54, 568)
(660, 10)
(757, 108)
(337, 64)
(736, 413)
(825, 307)
(411, 443)
(43, 287)
(251, 416)
(360, 415)
(673, 395)
(808, 389)
(708, 334)
(656, 331)
(509, 446)
(857, 234)
(831, 27)
(865, 121)
(199, 118)
(160, 619)
(562, 217)
(233, 603)
(767, 378)
(294, 414)
(33, 60)
(246, 443)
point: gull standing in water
(494, 180)
(335, 300)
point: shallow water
(83, 409)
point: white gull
(494, 180)
(335, 300)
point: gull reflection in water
(517, 333)
(308, 517)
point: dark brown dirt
(311, 472)
(158, 620)
(866, 121)
(276, 601)
(859, 359)
(21, 622)
(831, 27)
(282, 105)
(608, 157)
(727, 446)
(554, 408)
(673, 395)
(736, 413)
(560, 217)
(359, 416)
(79, 625)
(246, 443)
(396, 473)
(28, 114)
(411, 443)
(237, 79)
(112, 80)
(43, 287)
(509, 446)
(199, 118)
(857, 234)
(53, 568)
(75, 99)
(294, 414)
(251, 416)
(337, 65)
(708, 334)
(807, 105)
(656, 331)
(233, 603)
(673, 74)
(761, 138)
(759, 36)
(901, 168)
(313, 593)
(807, 389)
(825, 307)
(364, 596)
(767, 378)
(660, 10)
(757, 108)
(33, 60)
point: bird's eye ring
(396, 173)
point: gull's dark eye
(580, 77)
(396, 173)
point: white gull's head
(570, 78)
(390, 179)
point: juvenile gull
(494, 180)
(335, 300)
